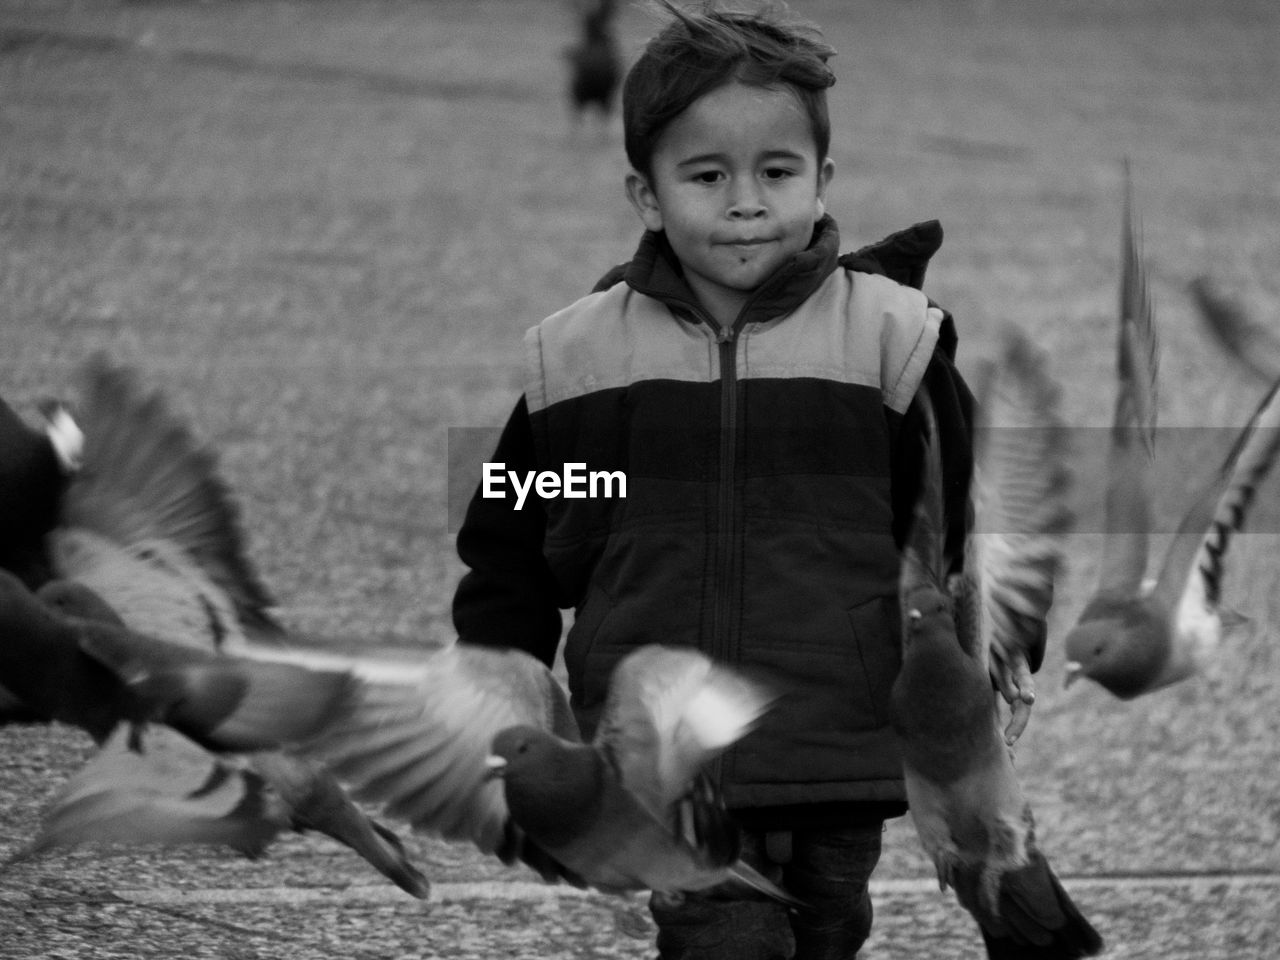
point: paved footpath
(310, 899)
(108, 905)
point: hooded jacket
(768, 477)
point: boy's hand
(1011, 674)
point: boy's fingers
(1021, 715)
(1018, 688)
(1023, 680)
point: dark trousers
(827, 869)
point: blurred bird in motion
(480, 744)
(1253, 345)
(35, 465)
(595, 65)
(152, 640)
(1139, 633)
(966, 803)
(151, 587)
(34, 468)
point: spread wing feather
(669, 712)
(1021, 481)
(414, 737)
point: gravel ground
(309, 899)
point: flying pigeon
(153, 576)
(969, 811)
(1138, 633)
(476, 743)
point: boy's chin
(745, 277)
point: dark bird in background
(1141, 632)
(966, 803)
(479, 744)
(595, 64)
(153, 587)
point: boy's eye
(778, 173)
(707, 176)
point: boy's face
(737, 185)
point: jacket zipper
(726, 528)
(722, 648)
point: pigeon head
(73, 599)
(1118, 649)
(926, 615)
(551, 785)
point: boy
(756, 391)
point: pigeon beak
(1075, 669)
(495, 765)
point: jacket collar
(655, 272)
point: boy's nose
(745, 204)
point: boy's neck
(722, 306)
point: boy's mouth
(748, 243)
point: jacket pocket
(876, 635)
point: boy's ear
(825, 173)
(644, 199)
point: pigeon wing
(413, 737)
(223, 701)
(1021, 482)
(1253, 345)
(1129, 496)
(156, 786)
(1222, 508)
(669, 712)
(147, 488)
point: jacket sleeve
(31, 485)
(508, 597)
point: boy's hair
(700, 51)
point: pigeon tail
(317, 802)
(1037, 919)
